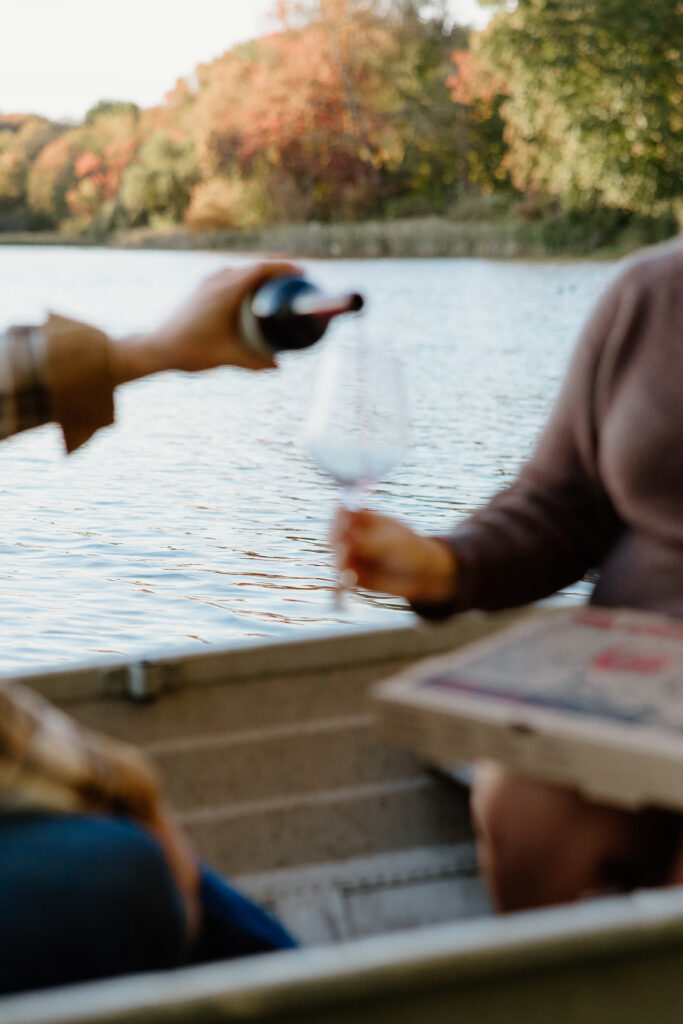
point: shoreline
(428, 238)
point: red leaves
(87, 163)
(473, 81)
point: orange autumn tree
(345, 112)
(284, 110)
(51, 176)
(109, 143)
(74, 181)
(324, 119)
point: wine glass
(357, 425)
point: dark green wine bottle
(290, 313)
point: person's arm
(556, 520)
(539, 534)
(383, 554)
(67, 371)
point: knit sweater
(604, 486)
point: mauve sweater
(604, 487)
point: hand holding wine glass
(390, 557)
(356, 430)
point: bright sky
(59, 57)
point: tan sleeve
(47, 758)
(78, 378)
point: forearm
(66, 370)
(519, 550)
(531, 540)
(557, 519)
(136, 356)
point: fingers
(346, 536)
(375, 549)
(204, 332)
(248, 278)
(351, 524)
(390, 557)
(368, 536)
(374, 576)
(248, 360)
(229, 288)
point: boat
(273, 765)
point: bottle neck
(290, 313)
(317, 304)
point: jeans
(85, 897)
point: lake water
(197, 519)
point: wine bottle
(290, 312)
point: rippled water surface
(197, 519)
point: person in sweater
(96, 879)
(603, 488)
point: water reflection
(197, 519)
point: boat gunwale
(443, 956)
(119, 677)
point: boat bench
(272, 765)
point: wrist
(136, 356)
(439, 580)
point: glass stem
(352, 495)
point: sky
(59, 57)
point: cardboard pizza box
(587, 697)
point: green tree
(74, 181)
(482, 95)
(21, 140)
(105, 108)
(594, 112)
(158, 183)
(431, 130)
(51, 176)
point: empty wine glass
(357, 424)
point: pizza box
(588, 697)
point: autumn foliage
(358, 109)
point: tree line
(358, 109)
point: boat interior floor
(374, 895)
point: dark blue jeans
(85, 897)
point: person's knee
(495, 808)
(521, 828)
(500, 840)
(84, 897)
(540, 844)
